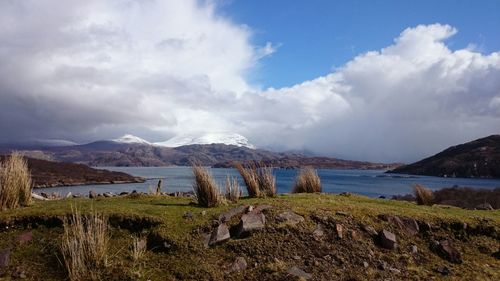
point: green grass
(276, 245)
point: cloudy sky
(402, 85)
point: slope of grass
(268, 252)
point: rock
(318, 233)
(382, 265)
(44, 195)
(203, 213)
(38, 197)
(77, 196)
(370, 230)
(410, 226)
(340, 213)
(19, 273)
(444, 270)
(4, 257)
(445, 250)
(347, 194)
(296, 258)
(188, 215)
(219, 235)
(224, 217)
(484, 206)
(92, 194)
(69, 195)
(108, 194)
(353, 235)
(413, 249)
(339, 229)
(297, 272)
(25, 237)
(123, 193)
(365, 264)
(238, 265)
(289, 218)
(387, 239)
(251, 222)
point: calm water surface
(372, 183)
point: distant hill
(50, 174)
(111, 153)
(475, 159)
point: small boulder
(262, 208)
(410, 226)
(365, 264)
(297, 272)
(447, 251)
(318, 233)
(44, 195)
(69, 195)
(238, 265)
(444, 270)
(92, 194)
(341, 213)
(413, 249)
(250, 222)
(290, 218)
(226, 216)
(219, 234)
(123, 193)
(387, 239)
(108, 194)
(4, 257)
(370, 230)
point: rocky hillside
(475, 159)
(290, 237)
(50, 174)
(110, 153)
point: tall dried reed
(15, 182)
(206, 190)
(84, 245)
(423, 195)
(233, 190)
(259, 180)
(307, 181)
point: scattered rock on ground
(219, 234)
(238, 265)
(224, 217)
(370, 230)
(444, 270)
(341, 213)
(251, 222)
(297, 272)
(290, 218)
(108, 194)
(414, 249)
(339, 230)
(484, 206)
(318, 233)
(261, 208)
(447, 251)
(4, 257)
(387, 239)
(365, 264)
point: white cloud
(85, 70)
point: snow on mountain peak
(208, 138)
(131, 139)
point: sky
(390, 81)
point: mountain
(475, 159)
(50, 174)
(131, 139)
(208, 138)
(111, 153)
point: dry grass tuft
(84, 245)
(260, 181)
(138, 248)
(15, 182)
(423, 195)
(233, 190)
(307, 181)
(206, 190)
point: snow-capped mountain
(208, 138)
(131, 139)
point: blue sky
(316, 36)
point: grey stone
(219, 235)
(339, 229)
(414, 249)
(365, 264)
(394, 270)
(297, 272)
(108, 194)
(238, 265)
(318, 233)
(261, 208)
(444, 270)
(484, 206)
(251, 222)
(69, 195)
(341, 213)
(4, 257)
(289, 218)
(370, 230)
(387, 239)
(226, 216)
(447, 251)
(92, 194)
(410, 226)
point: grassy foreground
(175, 229)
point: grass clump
(206, 190)
(84, 245)
(15, 182)
(260, 181)
(138, 248)
(307, 181)
(233, 190)
(423, 195)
